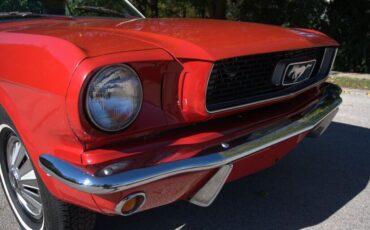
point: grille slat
(242, 80)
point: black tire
(56, 215)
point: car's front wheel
(33, 205)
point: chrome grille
(241, 80)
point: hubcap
(23, 178)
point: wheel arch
(16, 124)
(58, 189)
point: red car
(117, 115)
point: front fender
(35, 72)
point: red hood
(183, 38)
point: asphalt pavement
(322, 184)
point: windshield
(73, 8)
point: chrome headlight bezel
(95, 77)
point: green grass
(352, 83)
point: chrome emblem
(298, 72)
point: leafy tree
(346, 22)
(21, 5)
(349, 23)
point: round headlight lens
(114, 98)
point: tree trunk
(141, 5)
(217, 8)
(154, 8)
(184, 10)
(54, 6)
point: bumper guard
(314, 120)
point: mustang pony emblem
(297, 72)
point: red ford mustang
(121, 115)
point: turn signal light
(131, 204)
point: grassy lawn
(352, 83)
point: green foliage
(352, 83)
(21, 5)
(72, 6)
(179, 8)
(183, 8)
(349, 23)
(298, 13)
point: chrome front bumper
(314, 120)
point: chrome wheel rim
(23, 179)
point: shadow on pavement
(302, 190)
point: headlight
(114, 97)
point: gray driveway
(322, 184)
